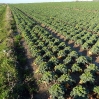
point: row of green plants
(69, 28)
(8, 74)
(82, 18)
(70, 74)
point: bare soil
(42, 88)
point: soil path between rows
(42, 89)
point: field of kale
(62, 42)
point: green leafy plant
(67, 60)
(96, 91)
(67, 50)
(56, 42)
(87, 77)
(56, 91)
(38, 60)
(82, 60)
(48, 77)
(73, 54)
(62, 45)
(79, 42)
(54, 60)
(61, 54)
(91, 68)
(48, 54)
(85, 46)
(61, 68)
(76, 68)
(55, 49)
(79, 92)
(43, 67)
(65, 79)
(94, 50)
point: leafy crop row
(69, 73)
(75, 25)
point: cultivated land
(55, 51)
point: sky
(32, 1)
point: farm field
(57, 49)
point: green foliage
(96, 89)
(61, 53)
(18, 37)
(87, 77)
(67, 50)
(38, 60)
(95, 50)
(45, 42)
(48, 77)
(34, 52)
(43, 67)
(82, 60)
(62, 45)
(79, 41)
(48, 53)
(79, 92)
(67, 60)
(76, 68)
(56, 91)
(91, 68)
(40, 44)
(55, 49)
(65, 79)
(85, 46)
(73, 54)
(54, 60)
(61, 68)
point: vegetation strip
(8, 74)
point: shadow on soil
(26, 85)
